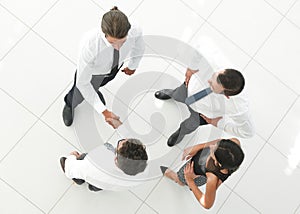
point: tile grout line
(19, 103)
(146, 204)
(52, 46)
(284, 16)
(297, 208)
(23, 196)
(28, 26)
(60, 198)
(204, 19)
(284, 116)
(98, 5)
(246, 201)
(18, 141)
(136, 8)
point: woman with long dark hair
(209, 163)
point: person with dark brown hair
(208, 163)
(100, 55)
(214, 94)
(120, 165)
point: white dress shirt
(96, 58)
(98, 168)
(236, 119)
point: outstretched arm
(206, 199)
(192, 150)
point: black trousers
(74, 97)
(81, 181)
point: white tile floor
(38, 49)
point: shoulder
(135, 30)
(90, 38)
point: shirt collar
(102, 35)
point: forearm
(200, 146)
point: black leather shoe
(174, 138)
(162, 96)
(163, 169)
(62, 161)
(93, 188)
(67, 115)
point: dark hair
(229, 155)
(132, 157)
(232, 81)
(115, 23)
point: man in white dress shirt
(120, 168)
(225, 106)
(98, 63)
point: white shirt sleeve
(85, 68)
(137, 50)
(73, 168)
(242, 128)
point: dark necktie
(199, 95)
(115, 64)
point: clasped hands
(112, 119)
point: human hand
(115, 123)
(75, 153)
(112, 119)
(188, 75)
(189, 173)
(212, 121)
(128, 71)
(188, 153)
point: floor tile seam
(247, 202)
(204, 19)
(265, 40)
(29, 28)
(19, 103)
(144, 203)
(22, 195)
(282, 154)
(14, 45)
(141, 2)
(44, 14)
(60, 198)
(292, 22)
(275, 76)
(54, 48)
(15, 16)
(98, 5)
(283, 117)
(297, 208)
(226, 199)
(59, 135)
(18, 141)
(272, 6)
(56, 99)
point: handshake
(112, 119)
